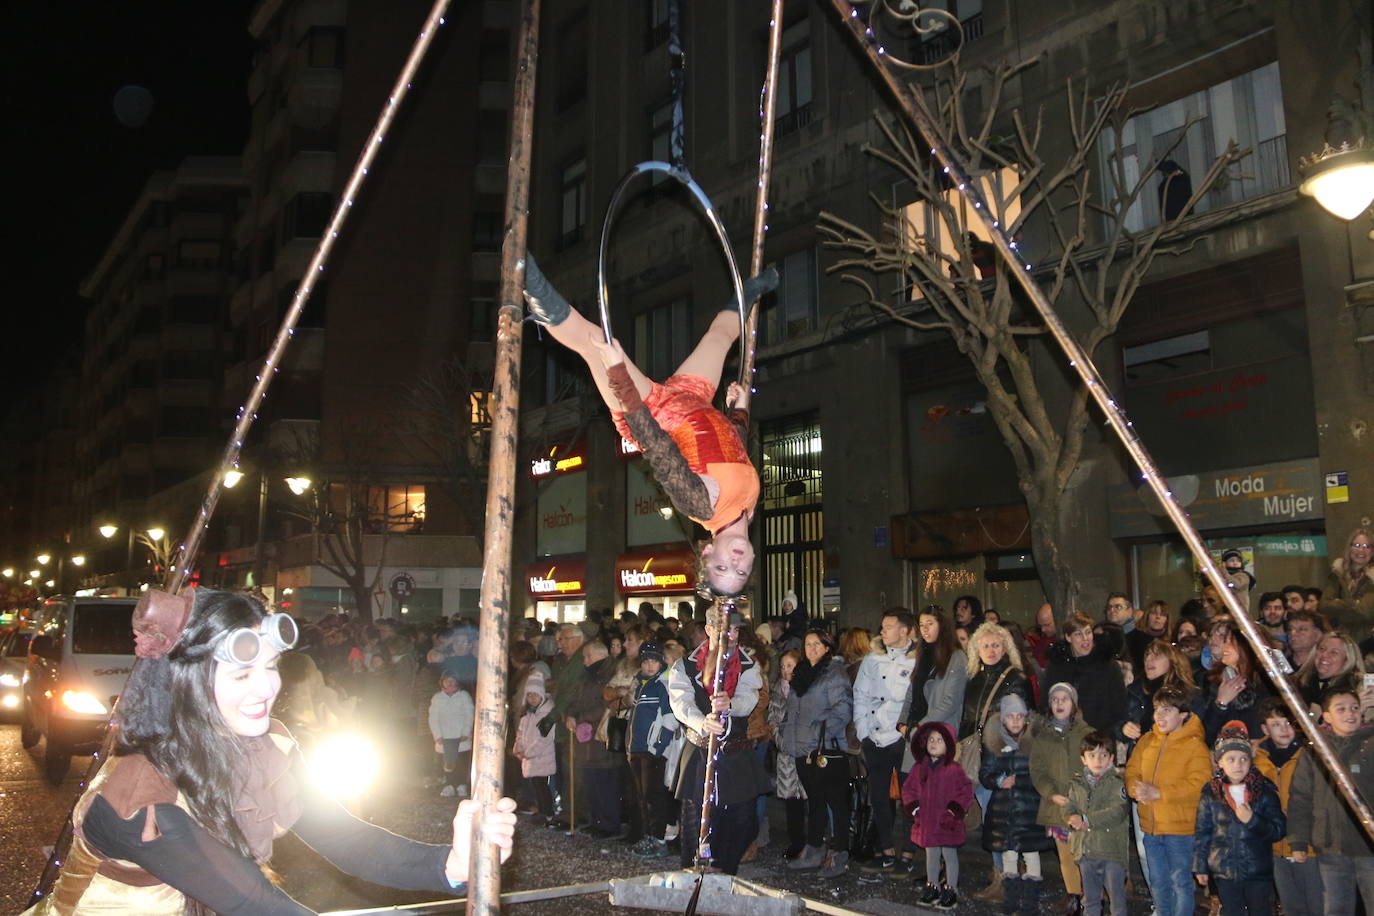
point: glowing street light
(50, 583)
(156, 534)
(232, 478)
(1341, 179)
(79, 560)
(7, 572)
(298, 485)
(43, 559)
(33, 574)
(108, 531)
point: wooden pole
(768, 112)
(484, 885)
(722, 644)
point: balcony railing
(795, 119)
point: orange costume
(708, 442)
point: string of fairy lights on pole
(184, 557)
(913, 106)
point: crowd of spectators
(1135, 734)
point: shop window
(793, 309)
(792, 517)
(663, 338)
(422, 604)
(794, 103)
(1247, 109)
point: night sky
(80, 168)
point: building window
(572, 62)
(487, 230)
(482, 314)
(324, 47)
(658, 26)
(573, 202)
(491, 138)
(1247, 109)
(493, 62)
(794, 106)
(940, 41)
(397, 509)
(925, 226)
(198, 253)
(663, 338)
(794, 308)
(660, 136)
(307, 214)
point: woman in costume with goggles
(183, 816)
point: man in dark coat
(599, 769)
(1092, 671)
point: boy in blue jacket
(1238, 820)
(652, 726)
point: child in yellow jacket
(1165, 774)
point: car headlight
(80, 701)
(8, 680)
(344, 765)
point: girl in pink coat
(936, 793)
(534, 742)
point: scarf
(1254, 783)
(806, 673)
(701, 655)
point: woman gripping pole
(697, 453)
(183, 817)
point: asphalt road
(32, 812)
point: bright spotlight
(345, 765)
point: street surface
(32, 812)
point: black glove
(913, 808)
(955, 810)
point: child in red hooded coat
(937, 792)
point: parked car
(14, 655)
(79, 658)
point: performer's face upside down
(729, 560)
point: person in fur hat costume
(936, 794)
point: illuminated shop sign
(557, 577)
(658, 572)
(628, 448)
(559, 460)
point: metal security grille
(793, 526)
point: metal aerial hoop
(708, 210)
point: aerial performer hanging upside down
(182, 818)
(697, 453)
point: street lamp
(232, 478)
(1341, 176)
(298, 485)
(79, 560)
(156, 534)
(43, 559)
(33, 574)
(7, 572)
(108, 531)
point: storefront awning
(656, 572)
(552, 578)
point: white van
(81, 654)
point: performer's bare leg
(583, 337)
(708, 359)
